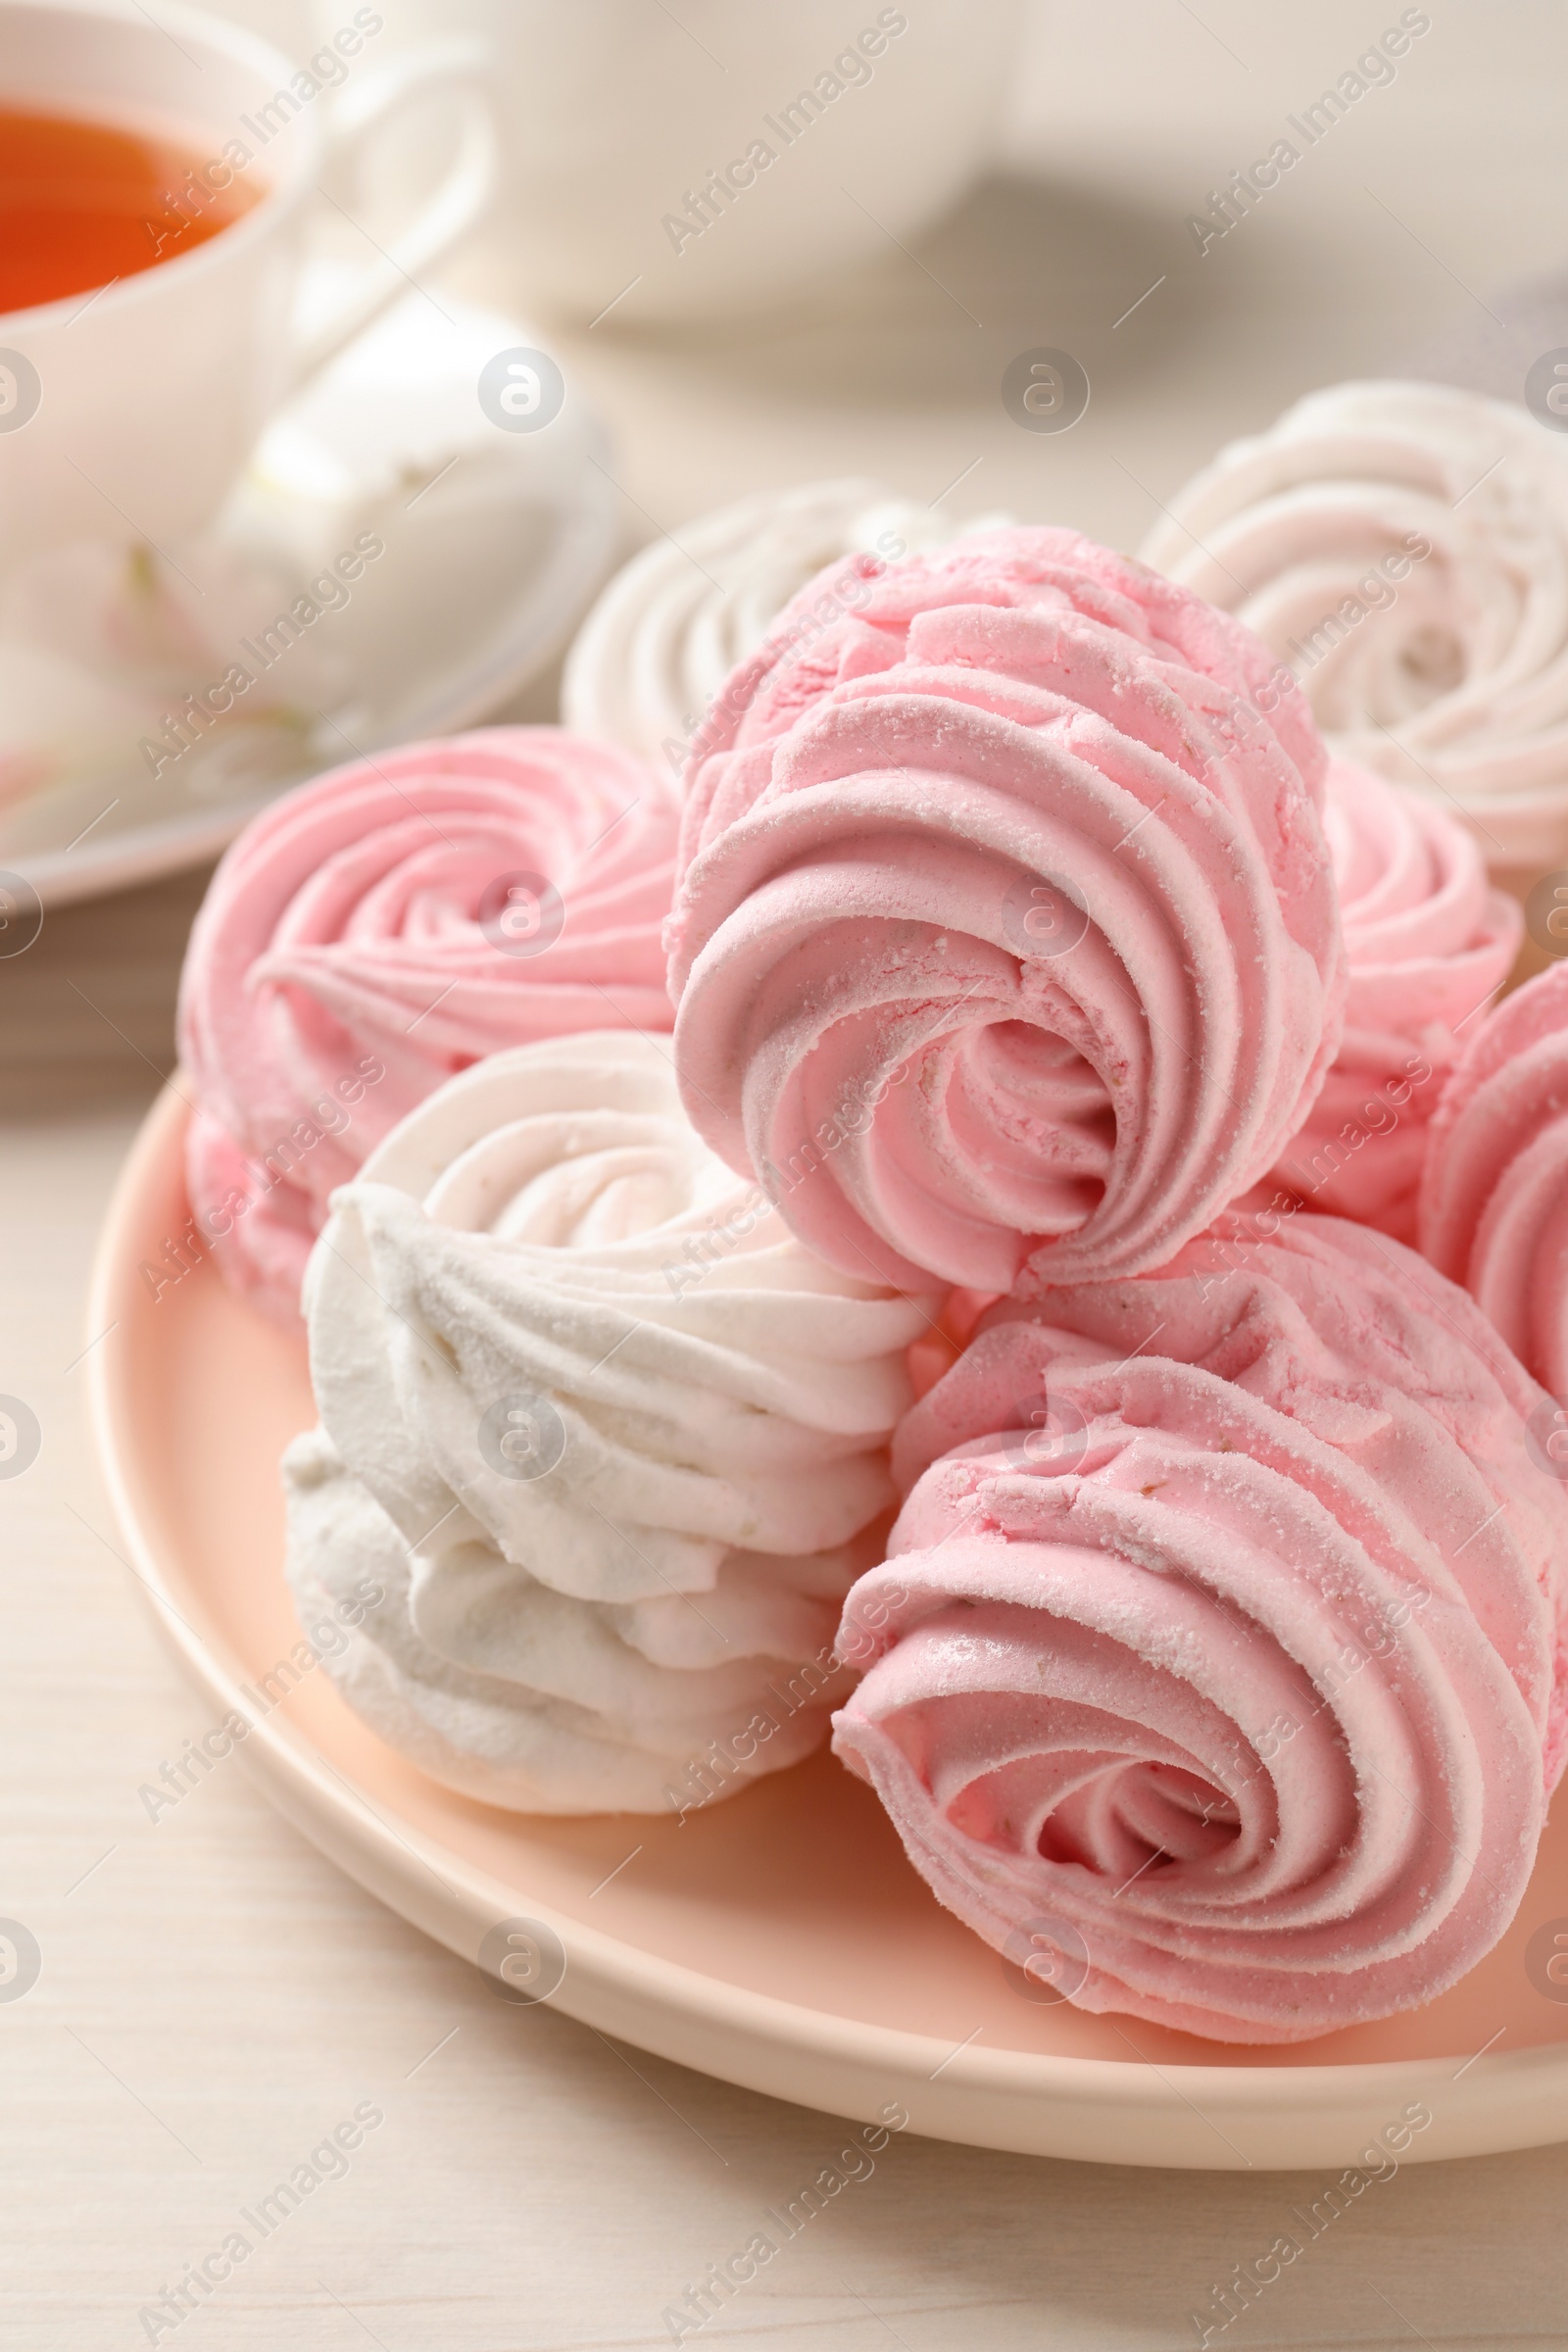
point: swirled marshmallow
(1222, 1682)
(1494, 1188)
(387, 924)
(1428, 944)
(1403, 547)
(1007, 944)
(626, 1438)
(677, 620)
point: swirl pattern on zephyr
(1428, 944)
(405, 916)
(1007, 942)
(1227, 1628)
(1404, 547)
(613, 1444)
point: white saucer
(493, 541)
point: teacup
(128, 412)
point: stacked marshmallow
(606, 1437)
(1020, 924)
(390, 923)
(1222, 1671)
(1007, 944)
(1006, 948)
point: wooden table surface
(215, 1998)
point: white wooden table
(215, 1999)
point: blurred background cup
(127, 415)
(692, 165)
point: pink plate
(779, 1940)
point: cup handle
(452, 206)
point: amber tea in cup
(85, 203)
